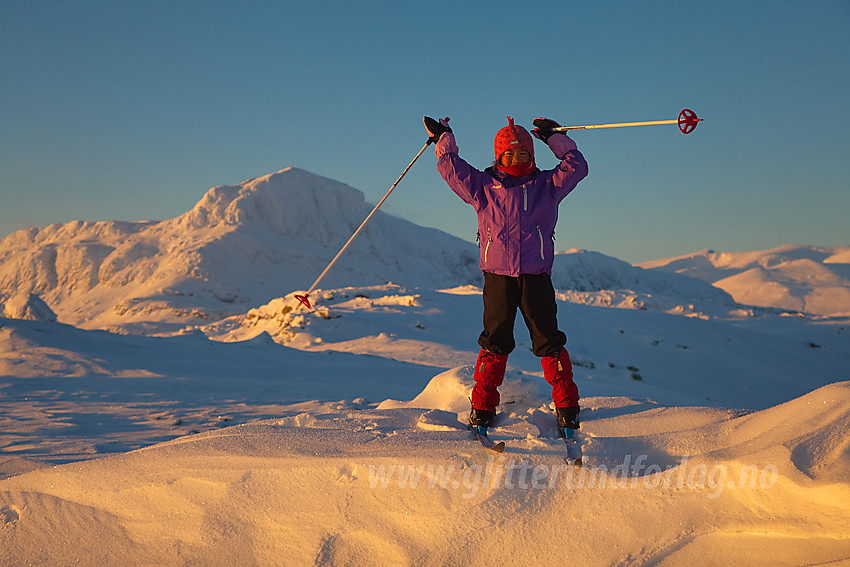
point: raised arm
(466, 181)
(573, 166)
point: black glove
(544, 129)
(436, 128)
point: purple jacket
(516, 215)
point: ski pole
(304, 299)
(687, 122)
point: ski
(488, 443)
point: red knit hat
(513, 136)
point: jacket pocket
(542, 249)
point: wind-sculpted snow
(398, 483)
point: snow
(184, 410)
(28, 306)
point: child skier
(517, 206)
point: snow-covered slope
(808, 279)
(68, 393)
(404, 484)
(238, 247)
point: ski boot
(567, 425)
(480, 420)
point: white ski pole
(304, 299)
(687, 121)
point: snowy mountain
(238, 247)
(808, 279)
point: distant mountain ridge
(808, 279)
(242, 245)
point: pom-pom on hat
(513, 136)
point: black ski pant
(534, 296)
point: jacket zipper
(524, 198)
(487, 248)
(540, 235)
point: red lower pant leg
(558, 371)
(489, 374)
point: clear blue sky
(119, 110)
